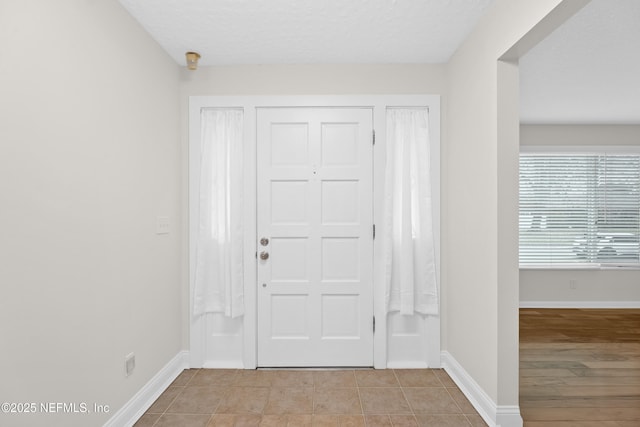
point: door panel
(315, 201)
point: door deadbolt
(264, 255)
(264, 241)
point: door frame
(249, 104)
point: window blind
(579, 208)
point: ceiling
(309, 31)
(587, 71)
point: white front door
(315, 237)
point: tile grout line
(224, 396)
(355, 379)
(184, 387)
(413, 412)
(174, 399)
(456, 403)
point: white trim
(508, 416)
(579, 304)
(223, 364)
(131, 411)
(408, 365)
(576, 266)
(493, 415)
(379, 104)
(594, 266)
(434, 355)
(580, 149)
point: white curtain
(410, 271)
(219, 267)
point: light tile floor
(287, 398)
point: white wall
(89, 157)
(592, 287)
(480, 164)
(607, 288)
(579, 135)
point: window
(579, 209)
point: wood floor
(580, 367)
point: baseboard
(579, 304)
(143, 399)
(407, 365)
(223, 364)
(493, 415)
(508, 416)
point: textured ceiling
(309, 31)
(588, 70)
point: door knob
(264, 255)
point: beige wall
(89, 156)
(591, 286)
(480, 165)
(313, 80)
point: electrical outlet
(162, 225)
(572, 284)
(129, 364)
